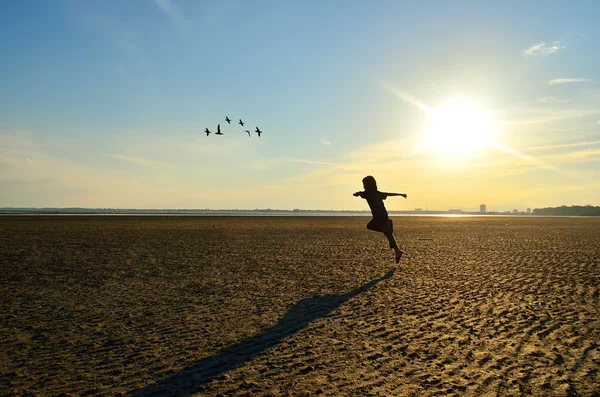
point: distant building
(528, 211)
(418, 209)
(515, 211)
(454, 211)
(482, 208)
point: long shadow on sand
(189, 380)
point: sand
(268, 306)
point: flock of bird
(208, 132)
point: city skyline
(105, 104)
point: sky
(103, 104)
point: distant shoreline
(274, 214)
(226, 212)
(565, 211)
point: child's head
(369, 183)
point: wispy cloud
(563, 145)
(542, 48)
(325, 141)
(311, 162)
(535, 116)
(567, 81)
(578, 156)
(551, 99)
(142, 161)
(170, 9)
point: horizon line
(415, 210)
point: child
(380, 221)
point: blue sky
(104, 103)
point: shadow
(189, 380)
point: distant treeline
(574, 210)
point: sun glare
(458, 128)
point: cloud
(258, 167)
(535, 116)
(31, 178)
(170, 9)
(311, 162)
(542, 48)
(142, 161)
(567, 81)
(35, 174)
(325, 141)
(551, 99)
(562, 145)
(577, 156)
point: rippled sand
(155, 306)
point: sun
(458, 128)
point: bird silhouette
(227, 119)
(207, 132)
(241, 123)
(218, 130)
(258, 132)
(247, 132)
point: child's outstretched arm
(359, 194)
(396, 194)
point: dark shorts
(381, 225)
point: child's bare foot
(398, 255)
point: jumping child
(380, 222)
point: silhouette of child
(380, 222)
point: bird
(227, 119)
(218, 130)
(258, 132)
(241, 123)
(247, 132)
(207, 131)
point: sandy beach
(298, 306)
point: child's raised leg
(388, 231)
